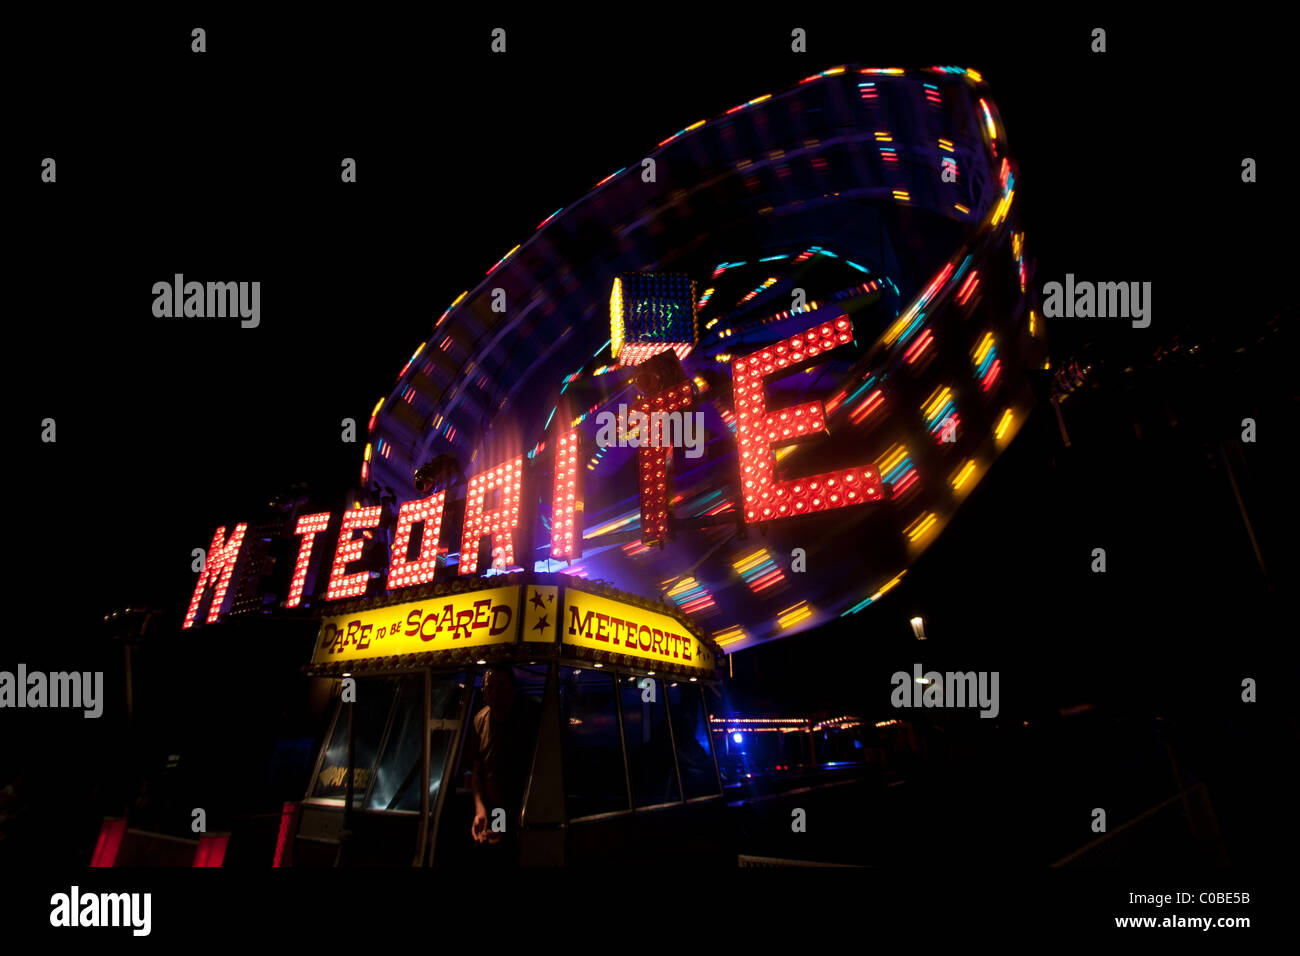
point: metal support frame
(383, 743)
(422, 835)
(672, 739)
(463, 714)
(622, 738)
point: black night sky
(227, 166)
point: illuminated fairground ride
(843, 254)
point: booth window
(397, 778)
(594, 781)
(530, 683)
(649, 742)
(396, 784)
(694, 743)
(389, 713)
(446, 691)
(374, 703)
(454, 841)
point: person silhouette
(500, 751)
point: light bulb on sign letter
(218, 569)
(421, 569)
(501, 523)
(343, 585)
(566, 504)
(757, 430)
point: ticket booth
(613, 690)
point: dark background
(226, 166)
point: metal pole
(1241, 505)
(1060, 421)
(622, 737)
(347, 804)
(464, 716)
(672, 738)
(130, 691)
(708, 732)
(421, 842)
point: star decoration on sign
(542, 624)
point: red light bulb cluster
(308, 526)
(401, 572)
(652, 462)
(636, 353)
(800, 496)
(217, 568)
(351, 585)
(758, 431)
(500, 523)
(566, 505)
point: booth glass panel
(694, 742)
(375, 698)
(594, 781)
(530, 683)
(397, 777)
(455, 846)
(649, 742)
(446, 691)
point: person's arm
(478, 828)
(476, 784)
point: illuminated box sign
(490, 616)
(649, 313)
(465, 619)
(601, 624)
(499, 500)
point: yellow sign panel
(446, 622)
(541, 612)
(603, 624)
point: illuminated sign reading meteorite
(766, 499)
(453, 627)
(831, 281)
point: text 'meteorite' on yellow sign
(602, 624)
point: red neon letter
(403, 573)
(566, 505)
(351, 585)
(758, 430)
(500, 523)
(308, 526)
(218, 568)
(652, 459)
